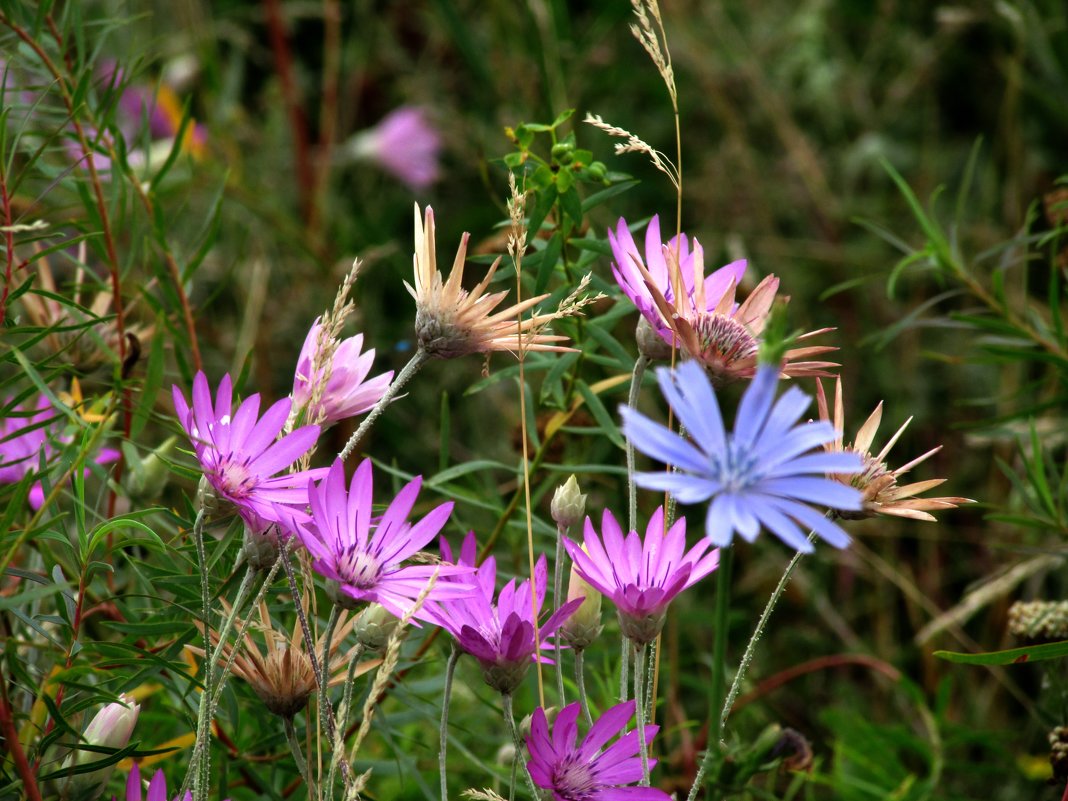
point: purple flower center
(723, 339)
(359, 568)
(233, 478)
(573, 779)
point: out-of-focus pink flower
(348, 391)
(25, 436)
(405, 144)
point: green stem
(639, 706)
(650, 673)
(580, 679)
(720, 638)
(509, 717)
(403, 377)
(298, 755)
(324, 690)
(443, 737)
(343, 718)
(624, 660)
(558, 583)
(200, 766)
(632, 402)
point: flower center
(734, 468)
(723, 340)
(573, 779)
(359, 569)
(875, 477)
(233, 477)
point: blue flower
(764, 473)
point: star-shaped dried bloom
(451, 321)
(701, 313)
(882, 495)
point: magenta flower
(405, 144)
(585, 772)
(641, 578)
(500, 636)
(241, 455)
(367, 565)
(630, 279)
(157, 788)
(348, 391)
(27, 435)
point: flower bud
(374, 627)
(260, 548)
(650, 344)
(110, 728)
(568, 504)
(147, 477)
(584, 624)
(339, 597)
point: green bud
(584, 626)
(339, 598)
(775, 340)
(374, 627)
(562, 152)
(146, 478)
(597, 171)
(260, 550)
(568, 504)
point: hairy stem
(443, 736)
(509, 717)
(639, 706)
(298, 754)
(343, 718)
(558, 583)
(403, 377)
(580, 680)
(624, 659)
(632, 402)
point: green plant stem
(201, 764)
(747, 657)
(719, 641)
(580, 680)
(298, 755)
(639, 707)
(624, 659)
(324, 689)
(509, 717)
(632, 402)
(403, 377)
(650, 678)
(558, 583)
(343, 718)
(443, 736)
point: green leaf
(600, 414)
(1013, 656)
(549, 256)
(571, 203)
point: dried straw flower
(1039, 620)
(881, 493)
(282, 675)
(451, 321)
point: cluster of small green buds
(1039, 620)
(569, 504)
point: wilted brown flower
(282, 675)
(882, 494)
(451, 321)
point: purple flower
(630, 279)
(764, 473)
(25, 437)
(240, 455)
(641, 578)
(500, 636)
(585, 772)
(405, 144)
(157, 788)
(367, 565)
(348, 392)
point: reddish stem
(283, 62)
(9, 242)
(812, 666)
(7, 727)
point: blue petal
(657, 441)
(689, 392)
(753, 410)
(685, 488)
